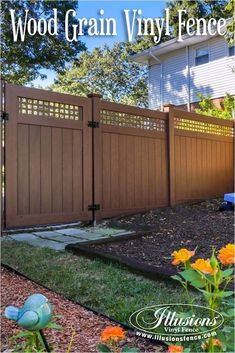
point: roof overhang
(169, 46)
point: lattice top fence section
(44, 108)
(134, 121)
(204, 127)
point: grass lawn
(108, 288)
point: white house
(178, 71)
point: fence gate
(48, 157)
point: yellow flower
(227, 254)
(204, 266)
(181, 256)
(175, 349)
(112, 333)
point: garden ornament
(34, 315)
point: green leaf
(187, 350)
(130, 350)
(225, 294)
(54, 326)
(103, 348)
(227, 272)
(177, 278)
(190, 275)
(193, 277)
(229, 6)
(23, 334)
(198, 284)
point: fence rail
(71, 158)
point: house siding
(214, 78)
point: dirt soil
(199, 226)
(88, 326)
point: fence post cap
(93, 95)
(167, 107)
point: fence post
(171, 149)
(2, 155)
(96, 156)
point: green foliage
(195, 9)
(230, 10)
(214, 291)
(105, 348)
(207, 107)
(31, 341)
(106, 71)
(21, 62)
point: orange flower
(175, 349)
(182, 255)
(227, 254)
(216, 342)
(203, 266)
(112, 333)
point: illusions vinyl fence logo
(176, 320)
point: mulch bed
(88, 325)
(200, 226)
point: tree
(230, 10)
(207, 107)
(195, 9)
(22, 62)
(106, 71)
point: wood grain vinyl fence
(71, 158)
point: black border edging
(133, 265)
(18, 273)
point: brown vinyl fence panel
(48, 157)
(72, 158)
(133, 159)
(203, 156)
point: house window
(202, 56)
(231, 50)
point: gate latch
(95, 207)
(93, 124)
(4, 116)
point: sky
(88, 9)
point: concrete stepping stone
(126, 232)
(64, 239)
(93, 236)
(44, 243)
(109, 232)
(71, 231)
(47, 234)
(23, 237)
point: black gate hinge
(95, 207)
(4, 116)
(93, 124)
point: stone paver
(47, 234)
(71, 231)
(59, 238)
(64, 239)
(108, 231)
(23, 237)
(93, 235)
(44, 243)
